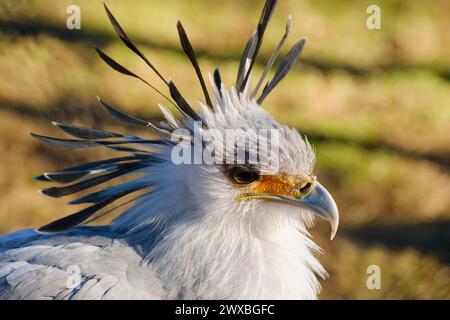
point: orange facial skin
(283, 184)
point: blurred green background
(375, 104)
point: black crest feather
(123, 36)
(285, 66)
(266, 14)
(182, 103)
(189, 51)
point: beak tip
(334, 227)
(333, 233)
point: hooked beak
(320, 201)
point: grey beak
(321, 203)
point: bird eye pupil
(241, 176)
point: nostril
(305, 188)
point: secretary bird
(234, 229)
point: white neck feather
(211, 246)
(221, 260)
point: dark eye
(243, 176)
(305, 188)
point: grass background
(375, 104)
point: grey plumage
(110, 267)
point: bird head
(230, 162)
(239, 163)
